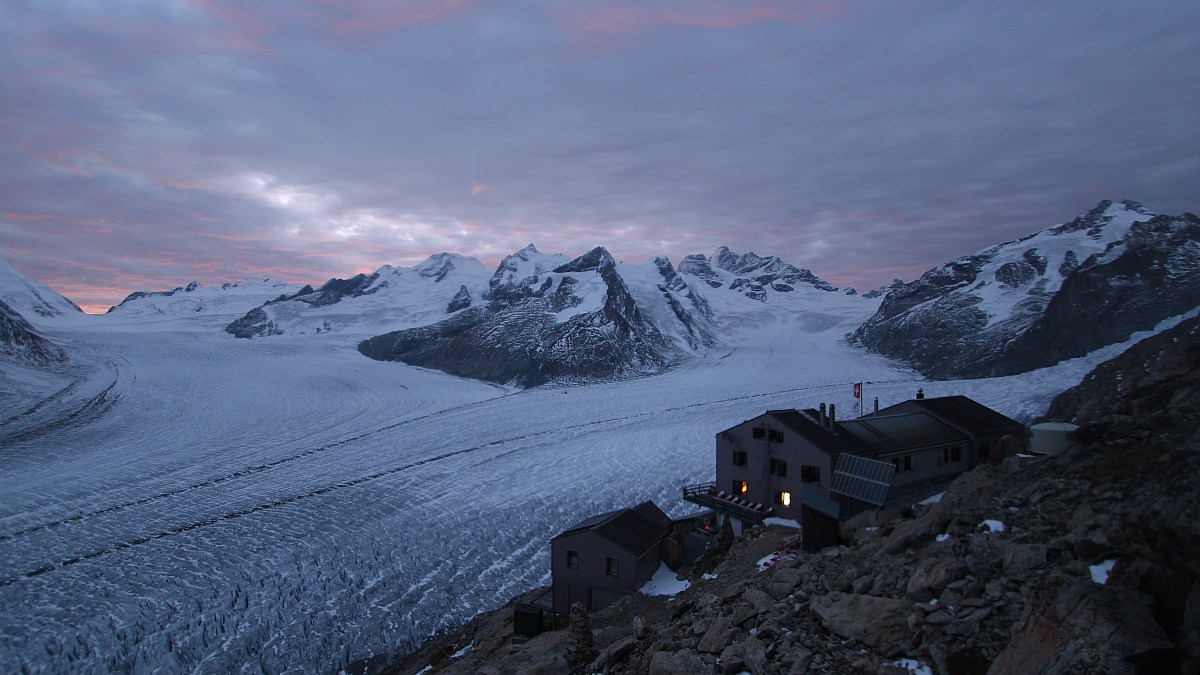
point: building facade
(781, 460)
(607, 556)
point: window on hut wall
(739, 458)
(612, 567)
(572, 559)
(777, 467)
(774, 436)
(740, 488)
(951, 455)
(908, 463)
(810, 474)
(783, 498)
(759, 433)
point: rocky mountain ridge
(546, 318)
(750, 274)
(1030, 303)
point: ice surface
(182, 500)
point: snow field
(287, 505)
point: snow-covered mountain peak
(1095, 220)
(1029, 302)
(595, 259)
(32, 299)
(195, 301)
(523, 268)
(439, 265)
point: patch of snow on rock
(1100, 571)
(664, 583)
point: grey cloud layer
(867, 144)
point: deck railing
(707, 494)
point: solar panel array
(861, 478)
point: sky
(148, 143)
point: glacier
(178, 499)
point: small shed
(607, 556)
(1051, 438)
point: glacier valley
(178, 499)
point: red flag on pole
(858, 390)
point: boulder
(881, 623)
(932, 575)
(717, 637)
(1073, 625)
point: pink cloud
(621, 19)
(481, 188)
(350, 18)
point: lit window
(783, 498)
(611, 567)
(572, 558)
(739, 458)
(740, 487)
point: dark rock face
(753, 274)
(517, 337)
(335, 289)
(884, 290)
(685, 304)
(20, 342)
(256, 323)
(1158, 375)
(944, 325)
(461, 300)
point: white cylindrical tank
(1050, 438)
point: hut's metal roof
(893, 433)
(635, 530)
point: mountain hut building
(788, 462)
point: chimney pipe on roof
(876, 405)
(821, 415)
(832, 418)
(920, 393)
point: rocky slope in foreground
(1088, 562)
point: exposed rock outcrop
(21, 343)
(750, 274)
